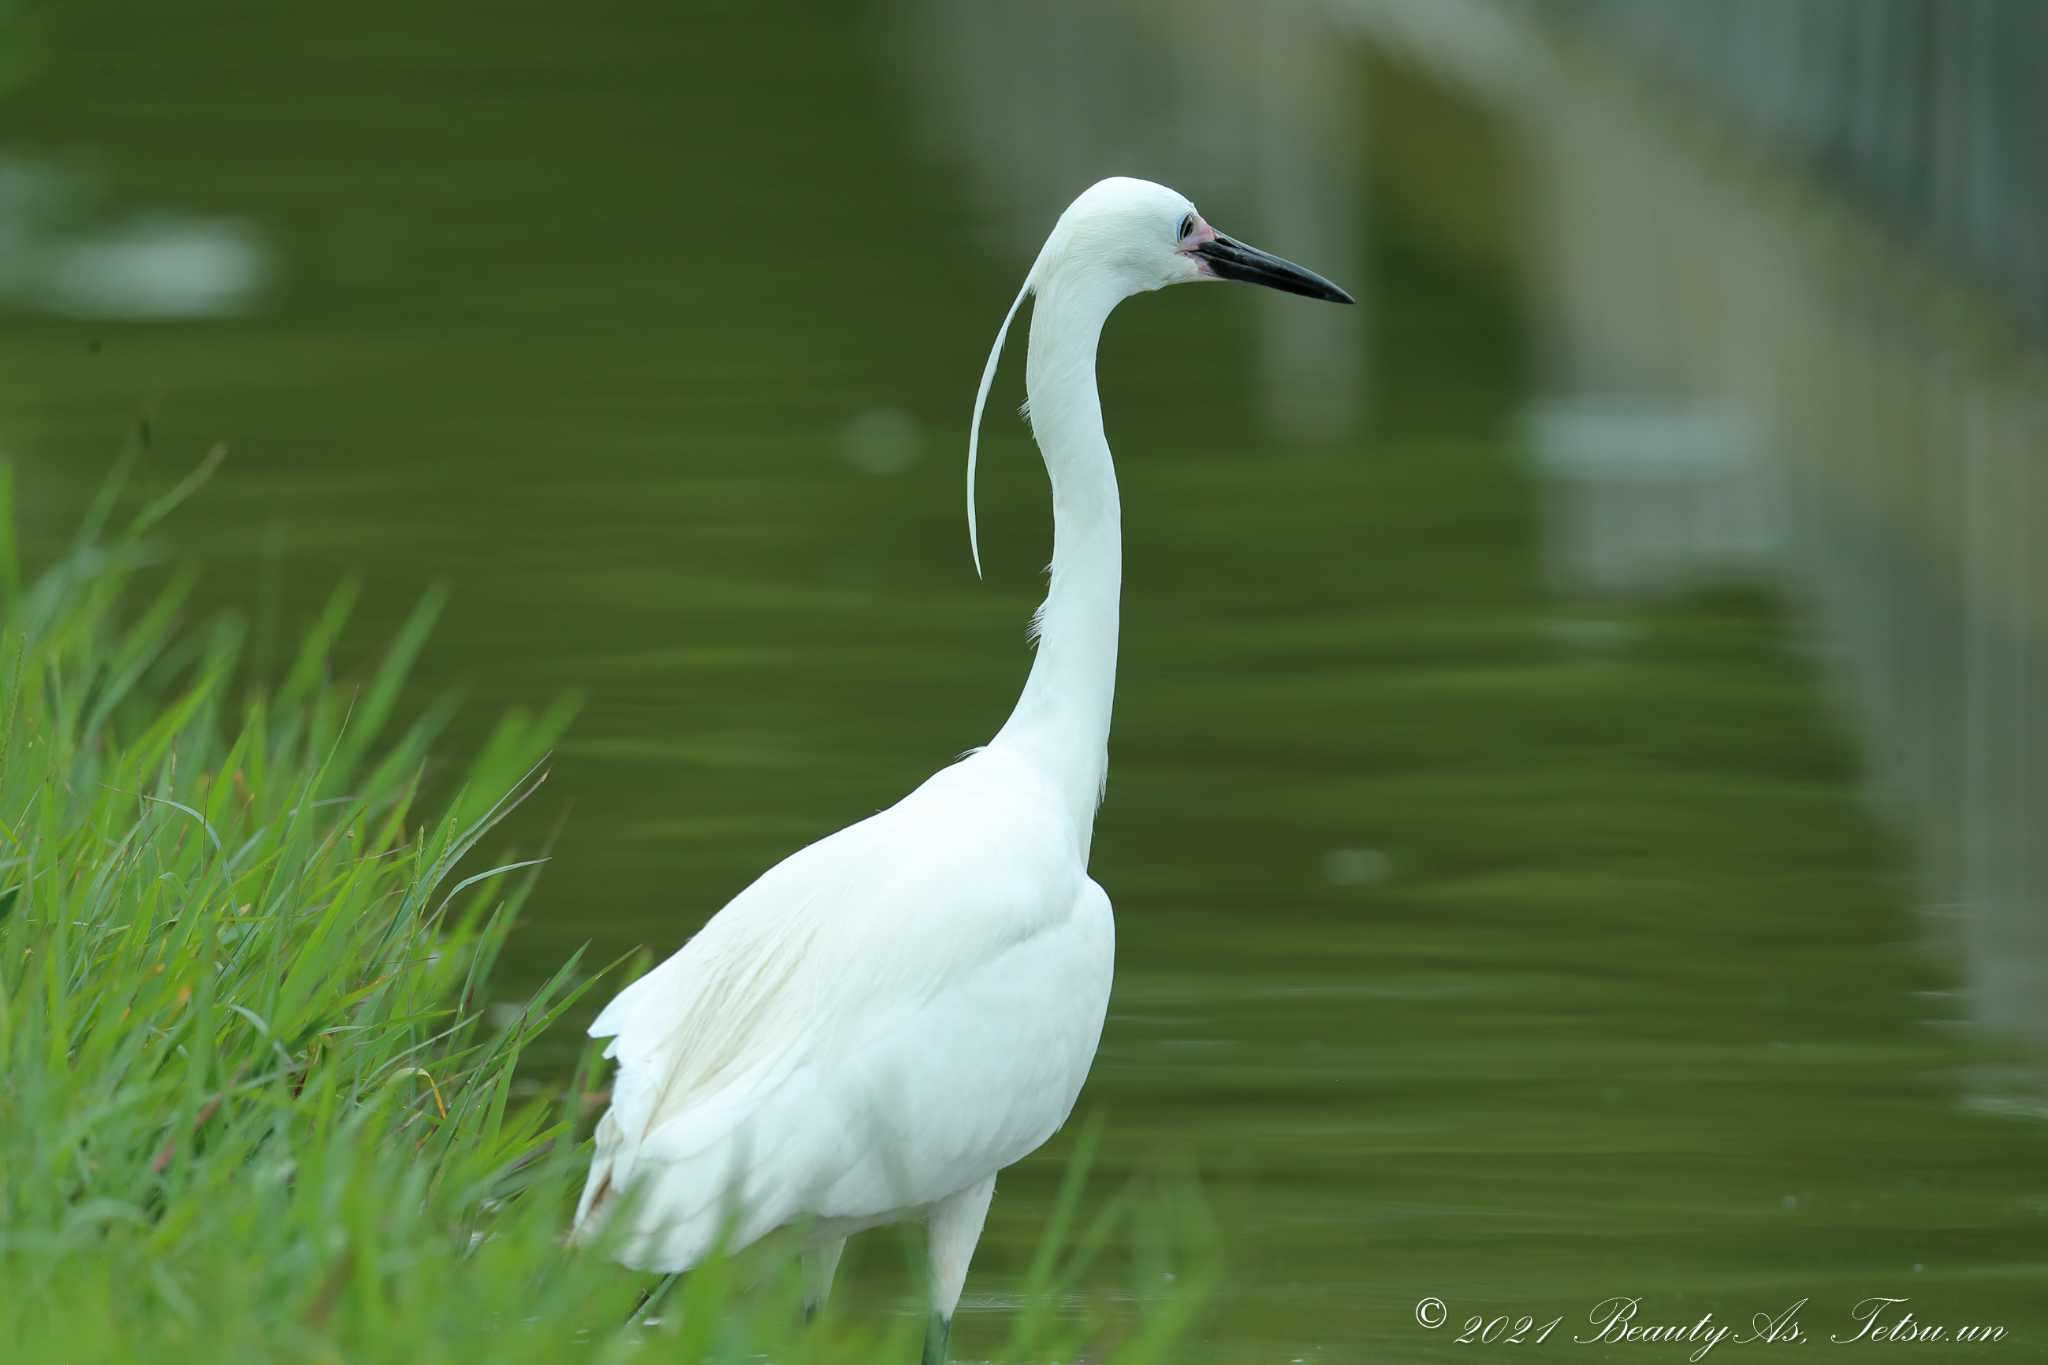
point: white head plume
(1123, 237)
(988, 377)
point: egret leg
(820, 1263)
(936, 1333)
(952, 1231)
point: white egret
(887, 1018)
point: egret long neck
(1062, 719)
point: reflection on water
(1643, 500)
(1876, 413)
(1475, 940)
(61, 254)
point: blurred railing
(1931, 112)
(1786, 262)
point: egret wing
(881, 1019)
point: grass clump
(254, 1102)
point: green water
(1471, 944)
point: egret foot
(936, 1332)
(820, 1263)
(952, 1231)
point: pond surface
(1471, 943)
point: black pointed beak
(1233, 260)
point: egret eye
(1187, 227)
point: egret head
(1134, 236)
(1125, 237)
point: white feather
(988, 378)
(880, 1020)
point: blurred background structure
(1583, 741)
(1826, 227)
(1812, 239)
(1787, 271)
